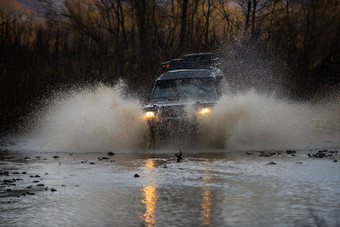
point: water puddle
(205, 189)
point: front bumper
(175, 119)
(173, 129)
(172, 122)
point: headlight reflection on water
(149, 197)
(206, 199)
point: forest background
(290, 47)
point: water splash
(90, 120)
(250, 121)
(101, 119)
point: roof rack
(192, 61)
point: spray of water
(100, 119)
(251, 121)
(89, 120)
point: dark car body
(179, 97)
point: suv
(182, 94)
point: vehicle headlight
(204, 111)
(149, 115)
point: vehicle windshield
(187, 88)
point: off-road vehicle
(186, 90)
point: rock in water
(271, 163)
(179, 155)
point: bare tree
(183, 23)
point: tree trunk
(183, 23)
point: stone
(319, 155)
(271, 163)
(179, 155)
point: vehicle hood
(165, 104)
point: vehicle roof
(199, 54)
(187, 73)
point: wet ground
(206, 188)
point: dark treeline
(76, 42)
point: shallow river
(204, 189)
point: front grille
(172, 112)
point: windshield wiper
(167, 98)
(173, 98)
